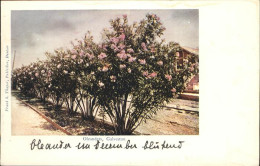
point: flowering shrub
(129, 75)
(140, 76)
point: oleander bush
(126, 77)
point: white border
(229, 99)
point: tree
(135, 76)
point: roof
(191, 50)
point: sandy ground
(170, 121)
(180, 117)
(27, 122)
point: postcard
(129, 83)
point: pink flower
(80, 61)
(102, 56)
(129, 70)
(130, 50)
(74, 51)
(142, 61)
(74, 56)
(100, 84)
(143, 46)
(160, 63)
(173, 90)
(122, 51)
(145, 73)
(116, 49)
(119, 55)
(36, 74)
(113, 46)
(168, 77)
(122, 55)
(113, 78)
(114, 40)
(122, 37)
(124, 15)
(104, 47)
(67, 56)
(121, 46)
(152, 49)
(81, 53)
(49, 73)
(154, 74)
(59, 65)
(90, 56)
(105, 69)
(122, 66)
(131, 59)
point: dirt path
(27, 122)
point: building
(192, 55)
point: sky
(34, 32)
